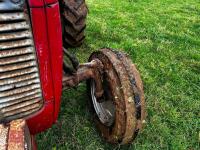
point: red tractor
(34, 35)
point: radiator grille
(20, 89)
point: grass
(163, 39)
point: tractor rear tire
(120, 113)
(74, 13)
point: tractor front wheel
(120, 112)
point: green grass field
(163, 39)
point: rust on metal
(125, 87)
(17, 66)
(15, 136)
(11, 16)
(3, 137)
(15, 52)
(115, 134)
(14, 26)
(19, 100)
(20, 89)
(17, 59)
(22, 108)
(138, 96)
(14, 44)
(19, 80)
(12, 135)
(84, 72)
(18, 35)
(20, 96)
(17, 73)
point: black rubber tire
(126, 89)
(74, 14)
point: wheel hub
(105, 109)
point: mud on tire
(125, 90)
(74, 13)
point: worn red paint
(56, 57)
(46, 26)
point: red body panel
(42, 120)
(55, 46)
(50, 1)
(47, 33)
(36, 3)
(40, 3)
(39, 27)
